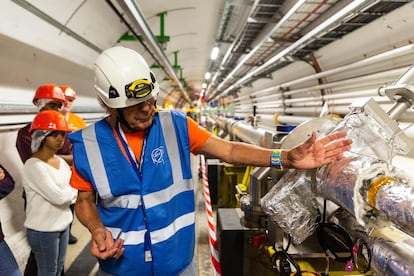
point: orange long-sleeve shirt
(197, 137)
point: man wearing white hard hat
(133, 173)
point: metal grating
(358, 20)
(268, 12)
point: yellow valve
(216, 131)
(376, 185)
(246, 178)
(242, 187)
(271, 251)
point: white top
(48, 195)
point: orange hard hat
(49, 91)
(49, 120)
(69, 92)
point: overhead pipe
(262, 42)
(381, 57)
(318, 99)
(269, 98)
(269, 105)
(31, 8)
(338, 85)
(354, 94)
(350, 83)
(339, 99)
(269, 110)
(275, 116)
(141, 24)
(299, 43)
(268, 36)
(119, 14)
(231, 48)
(263, 91)
(385, 75)
(291, 120)
(341, 110)
(404, 50)
(280, 118)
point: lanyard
(135, 164)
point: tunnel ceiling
(255, 38)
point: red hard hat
(49, 91)
(49, 120)
(69, 92)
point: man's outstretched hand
(316, 153)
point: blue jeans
(8, 264)
(49, 249)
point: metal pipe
(233, 45)
(404, 50)
(291, 120)
(341, 110)
(394, 199)
(356, 82)
(368, 61)
(354, 5)
(31, 8)
(399, 108)
(352, 83)
(261, 42)
(259, 184)
(355, 94)
(402, 92)
(391, 249)
(252, 135)
(364, 183)
(392, 257)
(141, 24)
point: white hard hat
(123, 78)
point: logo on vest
(157, 155)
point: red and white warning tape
(211, 226)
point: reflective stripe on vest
(137, 237)
(97, 167)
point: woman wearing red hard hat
(46, 182)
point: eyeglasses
(138, 89)
(149, 102)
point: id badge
(147, 248)
(148, 256)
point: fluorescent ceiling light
(214, 53)
(207, 75)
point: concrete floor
(80, 263)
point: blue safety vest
(153, 211)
